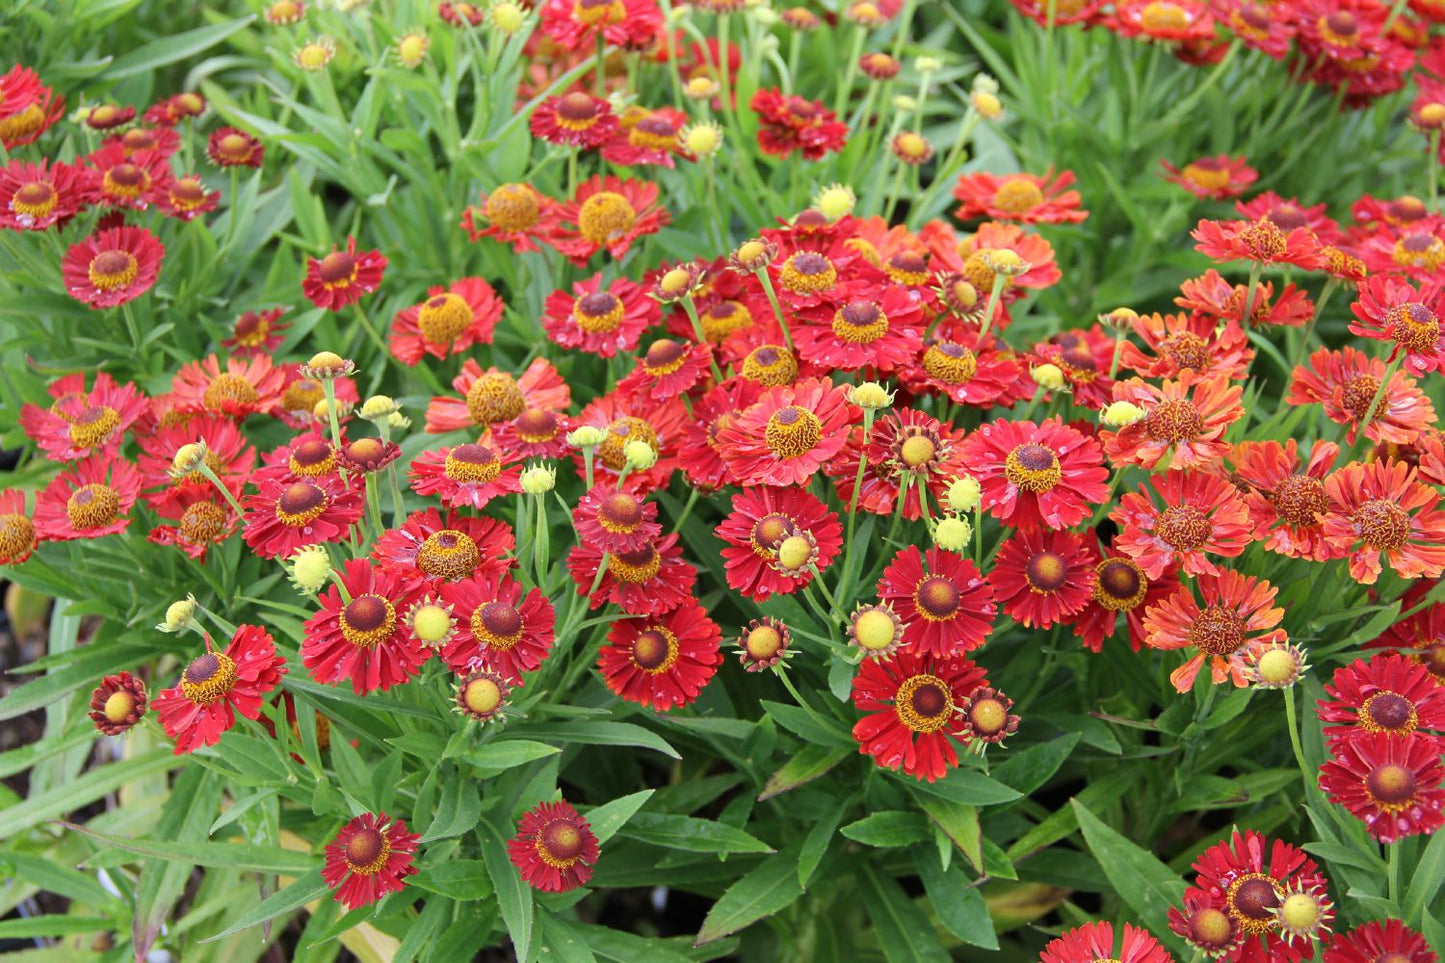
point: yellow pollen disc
(1160, 16)
(23, 124)
(495, 397)
(1208, 174)
(203, 523)
(92, 506)
(94, 426)
(874, 630)
(448, 554)
(113, 269)
(367, 852)
(431, 623)
(795, 552)
(770, 365)
(1018, 195)
(605, 217)
(949, 363)
(1300, 912)
(513, 207)
(209, 678)
(228, 387)
(599, 312)
(793, 432)
(635, 567)
(807, 272)
(118, 706)
(443, 317)
(1033, 468)
(764, 642)
(1276, 667)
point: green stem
(803, 704)
(601, 84)
(1390, 370)
(690, 306)
(686, 510)
(767, 283)
(1254, 272)
(999, 280)
(206, 470)
(1292, 722)
(328, 385)
(1394, 867)
(850, 71)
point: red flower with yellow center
(1388, 694)
(629, 24)
(27, 107)
(624, 419)
(1420, 636)
(608, 214)
(1094, 943)
(1289, 213)
(492, 397)
(283, 516)
(500, 626)
(229, 147)
(944, 602)
(1205, 925)
(1249, 884)
(1210, 294)
(1345, 383)
(1036, 476)
(161, 140)
(788, 434)
(90, 499)
(118, 703)
(1238, 609)
(1183, 425)
(1043, 578)
(666, 370)
(1201, 513)
(1121, 587)
(1387, 941)
(776, 537)
(428, 551)
(881, 330)
(1187, 342)
(215, 686)
(361, 636)
(257, 332)
(186, 198)
(1085, 357)
(576, 119)
(112, 266)
(554, 849)
(248, 386)
(307, 456)
(645, 581)
(1416, 250)
(649, 139)
(1390, 309)
(964, 371)
(174, 109)
(1216, 178)
(1394, 784)
(17, 532)
(788, 123)
(1062, 12)
(1175, 21)
(911, 712)
(604, 320)
(202, 520)
(1029, 260)
(663, 661)
(131, 181)
(343, 276)
(370, 857)
(35, 197)
(450, 320)
(1286, 503)
(1026, 198)
(1383, 509)
(227, 455)
(906, 449)
(1260, 241)
(468, 475)
(614, 520)
(515, 214)
(698, 450)
(1339, 30)
(95, 425)
(535, 433)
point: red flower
(554, 848)
(1187, 342)
(247, 386)
(175, 109)
(911, 708)
(90, 499)
(342, 277)
(1216, 178)
(630, 24)
(1026, 198)
(1417, 249)
(1037, 476)
(17, 531)
(1183, 425)
(576, 120)
(614, 520)
(118, 703)
(662, 661)
(1042, 578)
(1288, 214)
(1389, 694)
(981, 253)
(363, 639)
(1249, 884)
(599, 319)
(609, 214)
(492, 396)
(217, 685)
(160, 140)
(788, 434)
(1286, 506)
(1063, 13)
(428, 552)
(1174, 21)
(1376, 941)
(1085, 356)
(256, 332)
(652, 579)
(646, 137)
(1261, 242)
(497, 627)
(227, 454)
(882, 330)
(535, 433)
(283, 517)
(27, 107)
(668, 369)
(1338, 29)
(448, 322)
(1383, 509)
(371, 857)
(1201, 513)
(1391, 783)
(944, 602)
(775, 538)
(93, 425)
(625, 419)
(229, 147)
(1120, 586)
(963, 371)
(1205, 925)
(306, 456)
(787, 122)
(121, 179)
(514, 214)
(1390, 309)
(112, 266)
(1345, 383)
(1095, 941)
(202, 519)
(906, 448)
(467, 475)
(1210, 294)
(186, 198)
(698, 450)
(34, 197)
(1237, 610)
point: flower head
(554, 849)
(112, 266)
(362, 637)
(944, 602)
(1237, 610)
(343, 276)
(450, 320)
(1382, 509)
(118, 703)
(1394, 784)
(910, 705)
(215, 686)
(90, 499)
(370, 857)
(662, 661)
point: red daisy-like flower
(202, 520)
(1085, 356)
(448, 322)
(427, 551)
(1063, 12)
(788, 434)
(965, 371)
(27, 107)
(342, 277)
(160, 140)
(1339, 29)
(882, 330)
(1345, 383)
(247, 386)
(492, 397)
(362, 637)
(1216, 178)
(285, 516)
(215, 686)
(1187, 342)
(600, 319)
(131, 181)
(515, 214)
(1420, 636)
(186, 198)
(1183, 425)
(609, 215)
(662, 661)
(911, 705)
(90, 499)
(1262, 26)
(1390, 309)
(118, 703)
(1286, 504)
(227, 455)
(1094, 943)
(308, 455)
(229, 147)
(176, 108)
(535, 433)
(906, 449)
(698, 450)
(35, 197)
(17, 532)
(1210, 294)
(787, 123)
(554, 849)
(1382, 508)
(370, 857)
(468, 475)
(1376, 941)
(576, 119)
(1237, 610)
(1034, 476)
(1121, 586)
(668, 369)
(614, 520)
(981, 254)
(1042, 578)
(574, 24)
(649, 580)
(1027, 198)
(1389, 694)
(95, 425)
(944, 602)
(498, 627)
(1416, 249)
(1173, 21)
(1200, 513)
(1391, 783)
(1288, 214)
(1249, 884)
(1260, 241)
(776, 537)
(112, 266)
(624, 420)
(257, 332)
(1205, 925)
(646, 137)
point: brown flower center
(473, 464)
(203, 523)
(1033, 468)
(300, 504)
(635, 567)
(337, 269)
(1386, 711)
(560, 844)
(1183, 527)
(1186, 350)
(937, 598)
(1217, 631)
(1174, 421)
(655, 650)
(1046, 572)
(209, 678)
(924, 703)
(1121, 585)
(368, 620)
(497, 625)
(793, 431)
(1300, 500)
(448, 554)
(229, 388)
(600, 312)
(1250, 899)
(367, 852)
(1384, 525)
(113, 269)
(1392, 787)
(606, 217)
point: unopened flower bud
(701, 87)
(702, 139)
(953, 534)
(179, 615)
(989, 107)
(904, 104)
(539, 480)
(310, 569)
(397, 421)
(188, 458)
(928, 65)
(585, 437)
(411, 49)
(1119, 318)
(964, 494)
(508, 17)
(1120, 414)
(327, 364)
(639, 454)
(379, 407)
(870, 395)
(835, 201)
(1049, 376)
(1006, 262)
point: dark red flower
(1391, 941)
(202, 520)
(92, 424)
(124, 180)
(35, 197)
(217, 685)
(576, 119)
(500, 626)
(283, 517)
(1036, 476)
(911, 708)
(1042, 578)
(342, 277)
(1249, 883)
(1389, 694)
(429, 551)
(600, 319)
(615, 520)
(609, 215)
(1121, 586)
(651, 579)
(451, 320)
(776, 537)
(1394, 784)
(362, 637)
(229, 147)
(554, 849)
(1095, 942)
(186, 198)
(1390, 309)
(27, 107)
(118, 703)
(662, 661)
(944, 602)
(370, 857)
(467, 475)
(257, 332)
(790, 123)
(668, 369)
(112, 266)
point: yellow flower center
(92, 506)
(94, 426)
(924, 703)
(113, 269)
(209, 678)
(368, 620)
(494, 397)
(606, 217)
(443, 317)
(793, 431)
(1018, 195)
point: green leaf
(507, 753)
(457, 811)
(434, 914)
(81, 671)
(692, 835)
(810, 763)
(888, 828)
(1147, 885)
(609, 817)
(1028, 769)
(513, 896)
(564, 944)
(91, 786)
(902, 930)
(460, 879)
(1425, 883)
(259, 859)
(806, 725)
(960, 907)
(769, 888)
(173, 48)
(816, 843)
(601, 734)
(288, 899)
(967, 786)
(54, 925)
(960, 823)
